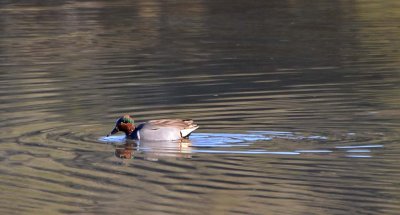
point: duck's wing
(177, 123)
(185, 126)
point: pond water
(297, 102)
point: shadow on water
(250, 143)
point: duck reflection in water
(152, 150)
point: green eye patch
(127, 120)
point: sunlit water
(251, 143)
(297, 102)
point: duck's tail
(186, 132)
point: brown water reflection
(154, 150)
(297, 101)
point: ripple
(243, 152)
(76, 167)
(360, 146)
(234, 143)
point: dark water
(298, 103)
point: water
(297, 102)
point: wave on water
(251, 143)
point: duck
(155, 130)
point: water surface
(297, 102)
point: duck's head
(124, 124)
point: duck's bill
(115, 130)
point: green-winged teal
(162, 129)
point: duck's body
(163, 129)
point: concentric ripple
(72, 171)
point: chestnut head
(124, 124)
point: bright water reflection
(251, 143)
